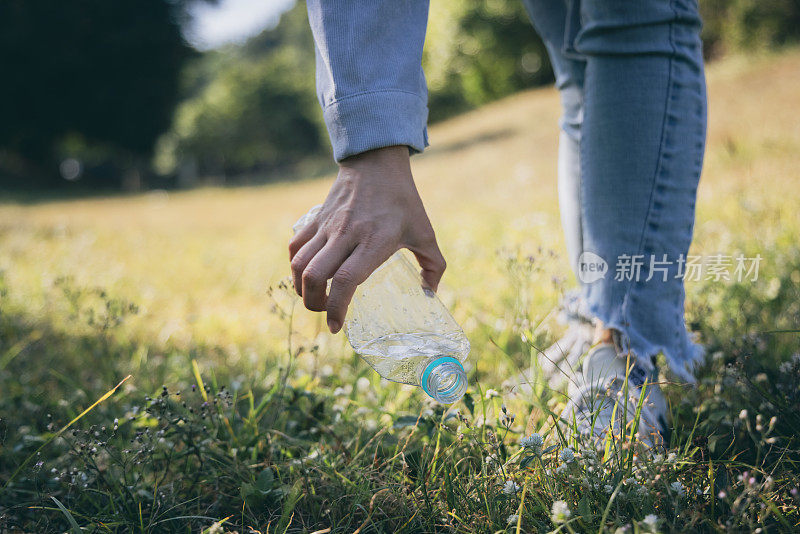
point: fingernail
(333, 325)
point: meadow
(226, 407)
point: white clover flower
(533, 442)
(560, 512)
(343, 391)
(362, 384)
(512, 519)
(510, 487)
(629, 481)
(650, 522)
(671, 457)
(677, 487)
(567, 455)
(491, 393)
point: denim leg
(551, 19)
(642, 144)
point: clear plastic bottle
(404, 331)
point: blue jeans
(630, 74)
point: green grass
(242, 414)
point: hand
(373, 209)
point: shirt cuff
(376, 119)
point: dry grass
(198, 262)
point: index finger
(354, 270)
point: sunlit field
(265, 422)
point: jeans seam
(656, 175)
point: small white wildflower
(510, 487)
(362, 384)
(641, 491)
(561, 469)
(671, 457)
(567, 455)
(650, 522)
(608, 488)
(491, 393)
(677, 487)
(533, 442)
(343, 391)
(629, 481)
(216, 528)
(513, 519)
(560, 512)
(743, 415)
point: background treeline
(104, 95)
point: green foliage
(251, 108)
(741, 25)
(100, 82)
(476, 52)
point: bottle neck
(444, 379)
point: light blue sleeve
(369, 72)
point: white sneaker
(600, 387)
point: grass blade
(65, 427)
(75, 527)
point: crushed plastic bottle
(403, 330)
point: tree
(249, 108)
(96, 76)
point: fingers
(322, 267)
(432, 262)
(355, 269)
(302, 237)
(301, 258)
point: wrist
(384, 156)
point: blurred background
(138, 94)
